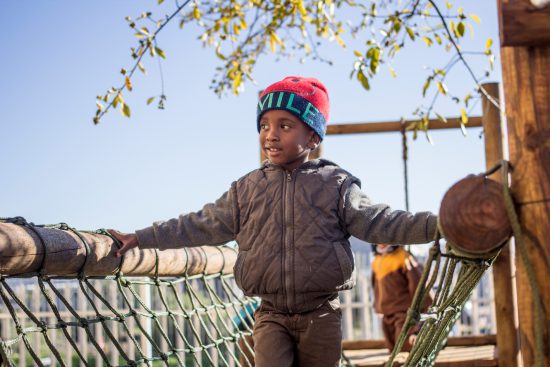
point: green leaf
(150, 100)
(410, 32)
(125, 110)
(460, 28)
(159, 2)
(426, 86)
(160, 52)
(363, 79)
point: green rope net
(454, 278)
(189, 320)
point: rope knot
(83, 322)
(42, 325)
(63, 226)
(19, 330)
(62, 324)
(20, 221)
(164, 356)
(413, 315)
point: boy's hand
(128, 240)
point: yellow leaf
(142, 68)
(488, 44)
(475, 18)
(442, 88)
(196, 13)
(99, 106)
(128, 83)
(340, 41)
(272, 43)
(392, 72)
(150, 100)
(463, 116)
(357, 53)
(427, 40)
(237, 82)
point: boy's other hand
(128, 240)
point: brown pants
(392, 326)
(311, 339)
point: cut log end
(473, 216)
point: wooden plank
(389, 126)
(453, 341)
(522, 24)
(471, 356)
(527, 92)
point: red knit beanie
(306, 98)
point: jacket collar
(311, 164)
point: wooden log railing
(29, 249)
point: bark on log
(63, 253)
(473, 216)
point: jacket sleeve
(378, 223)
(215, 224)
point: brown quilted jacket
(292, 229)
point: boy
(292, 219)
(395, 276)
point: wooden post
(507, 343)
(527, 93)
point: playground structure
(525, 61)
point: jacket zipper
(287, 265)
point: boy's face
(285, 139)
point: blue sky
(126, 173)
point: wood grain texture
(522, 24)
(473, 216)
(527, 93)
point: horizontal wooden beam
(522, 24)
(456, 341)
(389, 126)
